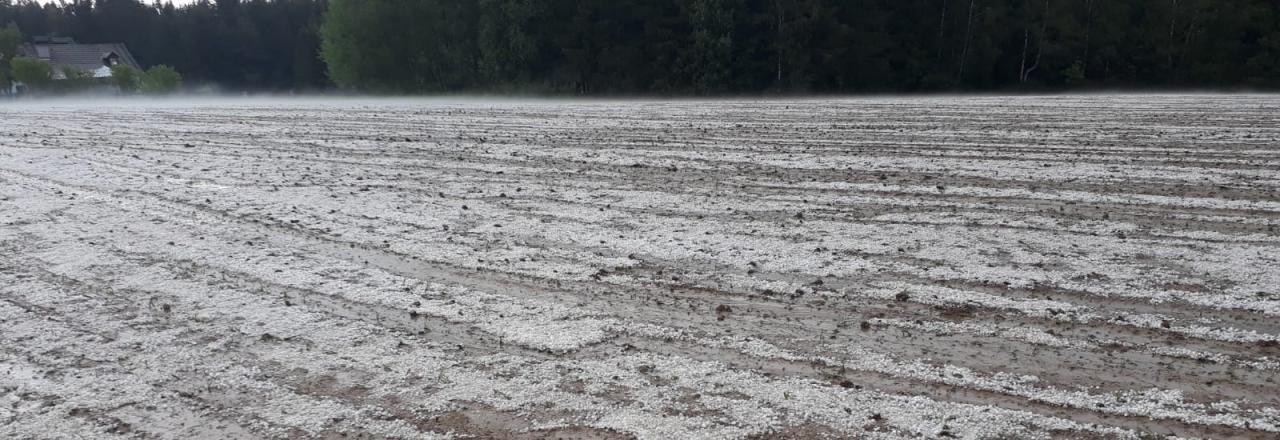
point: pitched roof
(86, 57)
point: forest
(685, 47)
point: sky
(176, 2)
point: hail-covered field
(1068, 267)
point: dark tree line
(229, 44)
(685, 46)
(748, 46)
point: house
(94, 60)
(64, 55)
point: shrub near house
(126, 78)
(33, 72)
(161, 79)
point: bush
(76, 81)
(33, 72)
(161, 79)
(127, 78)
(72, 73)
(1074, 74)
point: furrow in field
(1023, 267)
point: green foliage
(33, 72)
(1074, 74)
(503, 36)
(709, 60)
(72, 73)
(420, 45)
(74, 81)
(161, 79)
(127, 78)
(10, 39)
(345, 26)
